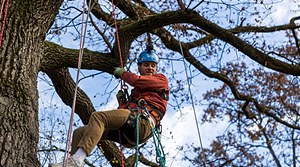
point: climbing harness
(193, 105)
(154, 116)
(4, 18)
(82, 40)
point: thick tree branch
(97, 11)
(57, 57)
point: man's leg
(77, 135)
(86, 138)
(100, 122)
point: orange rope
(117, 34)
(121, 63)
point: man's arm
(151, 82)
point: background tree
(226, 41)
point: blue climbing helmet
(147, 56)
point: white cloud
(284, 11)
(180, 129)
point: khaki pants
(105, 125)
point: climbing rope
(137, 140)
(4, 18)
(160, 154)
(121, 63)
(193, 105)
(117, 34)
(80, 55)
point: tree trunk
(26, 25)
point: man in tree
(149, 97)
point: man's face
(147, 68)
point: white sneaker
(71, 163)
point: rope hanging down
(196, 120)
(121, 64)
(82, 40)
(117, 34)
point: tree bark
(21, 52)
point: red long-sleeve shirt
(147, 87)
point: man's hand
(118, 72)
